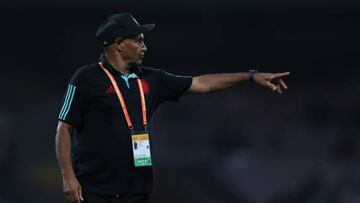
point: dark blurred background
(245, 145)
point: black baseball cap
(120, 25)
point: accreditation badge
(141, 149)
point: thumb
(271, 86)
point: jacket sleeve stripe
(65, 101)
(71, 99)
(68, 99)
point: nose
(143, 47)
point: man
(105, 112)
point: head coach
(103, 144)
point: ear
(119, 44)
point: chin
(139, 62)
(136, 63)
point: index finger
(279, 75)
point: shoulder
(85, 73)
(161, 73)
(87, 70)
(157, 72)
(149, 70)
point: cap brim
(147, 27)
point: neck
(117, 62)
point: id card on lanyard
(141, 149)
(140, 140)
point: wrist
(68, 174)
(251, 75)
(68, 178)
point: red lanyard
(121, 99)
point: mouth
(142, 55)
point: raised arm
(215, 82)
(71, 186)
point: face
(133, 49)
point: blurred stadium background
(243, 145)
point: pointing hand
(272, 80)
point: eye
(139, 41)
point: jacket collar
(135, 69)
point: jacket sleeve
(171, 87)
(75, 100)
